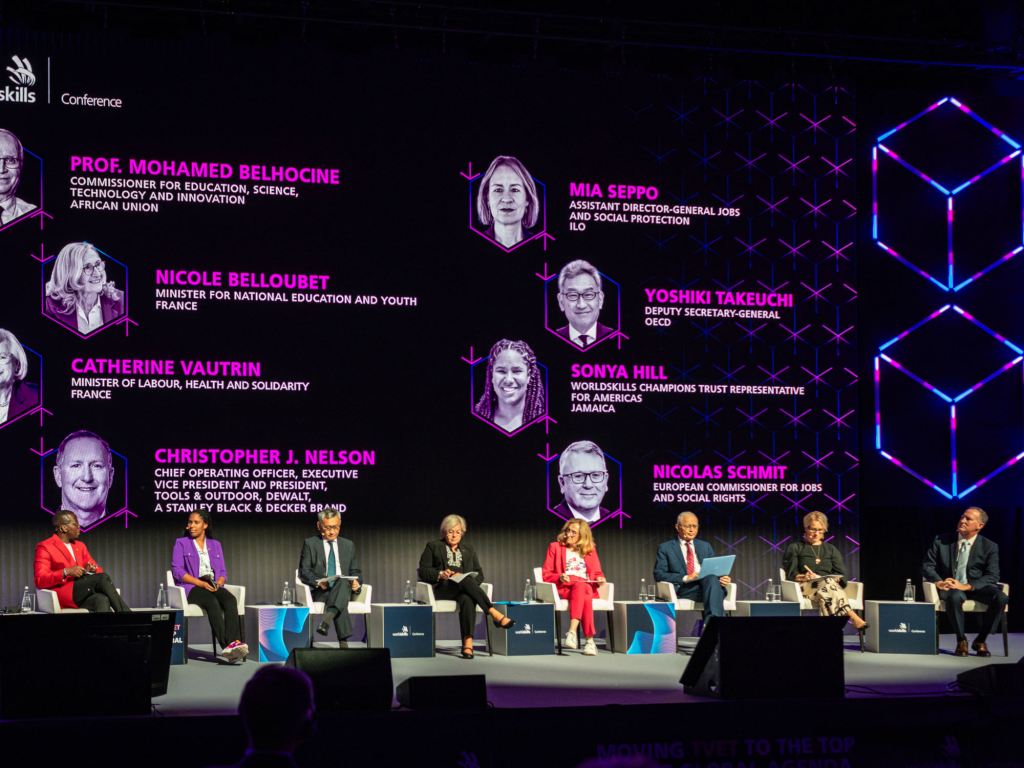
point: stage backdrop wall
(301, 286)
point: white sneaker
(590, 647)
(235, 651)
(571, 641)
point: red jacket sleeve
(552, 563)
(594, 566)
(48, 574)
(83, 556)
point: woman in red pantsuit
(573, 566)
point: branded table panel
(900, 627)
(533, 634)
(179, 635)
(766, 608)
(406, 629)
(643, 627)
(276, 629)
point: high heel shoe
(504, 622)
(466, 652)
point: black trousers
(337, 597)
(222, 610)
(467, 595)
(991, 596)
(96, 593)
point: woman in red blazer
(63, 564)
(572, 565)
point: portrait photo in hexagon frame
(21, 379)
(84, 289)
(582, 305)
(507, 205)
(583, 497)
(21, 181)
(508, 389)
(84, 475)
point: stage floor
(573, 680)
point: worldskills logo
(24, 78)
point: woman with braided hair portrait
(513, 390)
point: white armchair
(46, 602)
(548, 593)
(666, 592)
(425, 596)
(177, 599)
(793, 593)
(358, 604)
(931, 595)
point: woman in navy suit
(197, 564)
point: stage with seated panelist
(499, 383)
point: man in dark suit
(966, 567)
(580, 297)
(583, 481)
(679, 562)
(326, 556)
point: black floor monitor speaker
(993, 680)
(443, 691)
(88, 664)
(768, 657)
(346, 678)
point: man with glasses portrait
(580, 297)
(12, 160)
(583, 481)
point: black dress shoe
(980, 648)
(504, 622)
(323, 627)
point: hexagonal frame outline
(617, 513)
(616, 331)
(38, 406)
(953, 492)
(124, 511)
(543, 232)
(42, 301)
(39, 210)
(539, 419)
(950, 285)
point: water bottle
(770, 593)
(643, 590)
(528, 592)
(908, 592)
(27, 600)
(407, 593)
(286, 594)
(161, 597)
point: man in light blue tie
(324, 559)
(966, 567)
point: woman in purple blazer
(197, 564)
